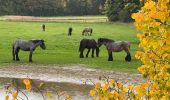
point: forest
(114, 9)
(51, 7)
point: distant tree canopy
(116, 10)
(51, 7)
(121, 10)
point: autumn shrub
(153, 24)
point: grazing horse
(43, 27)
(26, 45)
(87, 31)
(70, 29)
(115, 46)
(89, 44)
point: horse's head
(42, 44)
(104, 41)
(100, 42)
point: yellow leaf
(27, 84)
(7, 97)
(92, 93)
(97, 86)
(48, 94)
(68, 97)
(130, 87)
(14, 95)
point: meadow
(63, 49)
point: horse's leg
(13, 52)
(30, 56)
(97, 52)
(16, 53)
(92, 55)
(91, 32)
(128, 56)
(81, 53)
(110, 56)
(87, 53)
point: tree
(112, 8)
(121, 10)
(153, 23)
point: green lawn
(63, 50)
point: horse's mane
(36, 41)
(106, 40)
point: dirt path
(77, 74)
(55, 19)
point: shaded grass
(63, 50)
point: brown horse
(87, 31)
(115, 46)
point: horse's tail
(81, 45)
(13, 52)
(83, 32)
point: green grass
(63, 50)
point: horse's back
(87, 29)
(88, 43)
(118, 46)
(122, 43)
(22, 44)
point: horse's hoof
(110, 59)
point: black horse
(70, 29)
(115, 46)
(89, 44)
(26, 45)
(43, 27)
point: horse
(89, 44)
(26, 45)
(43, 27)
(115, 46)
(87, 30)
(70, 29)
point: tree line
(114, 9)
(51, 7)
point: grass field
(63, 50)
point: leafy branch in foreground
(13, 91)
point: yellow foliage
(14, 95)
(68, 97)
(7, 97)
(153, 23)
(97, 86)
(92, 93)
(27, 84)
